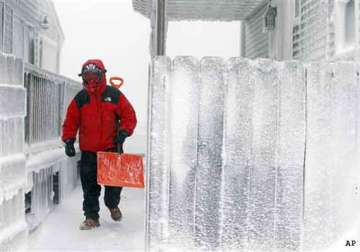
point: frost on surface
(263, 158)
(11, 136)
(290, 154)
(11, 70)
(231, 144)
(183, 111)
(12, 101)
(41, 196)
(13, 231)
(237, 155)
(208, 170)
(157, 179)
(17, 102)
(332, 153)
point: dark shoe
(116, 214)
(89, 224)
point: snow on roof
(207, 10)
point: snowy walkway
(60, 231)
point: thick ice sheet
(237, 163)
(12, 221)
(332, 156)
(318, 199)
(11, 70)
(12, 101)
(158, 170)
(345, 117)
(278, 119)
(11, 136)
(12, 175)
(290, 155)
(184, 107)
(264, 147)
(208, 174)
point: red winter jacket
(95, 114)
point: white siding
(313, 33)
(18, 37)
(8, 31)
(1, 25)
(256, 41)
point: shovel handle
(119, 148)
(116, 85)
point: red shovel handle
(121, 80)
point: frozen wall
(13, 230)
(230, 143)
(32, 114)
(332, 153)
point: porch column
(158, 28)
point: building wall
(33, 177)
(22, 34)
(51, 39)
(308, 30)
(12, 157)
(18, 20)
(313, 30)
(256, 40)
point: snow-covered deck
(60, 231)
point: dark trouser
(91, 189)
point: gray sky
(112, 31)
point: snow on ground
(60, 231)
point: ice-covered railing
(254, 155)
(48, 97)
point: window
(349, 29)
(344, 26)
(8, 29)
(29, 50)
(18, 46)
(297, 8)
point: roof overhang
(206, 10)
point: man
(96, 111)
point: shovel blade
(122, 170)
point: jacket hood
(100, 65)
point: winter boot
(89, 224)
(115, 214)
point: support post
(158, 27)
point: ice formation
(258, 155)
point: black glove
(69, 147)
(120, 137)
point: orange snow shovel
(118, 168)
(115, 169)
